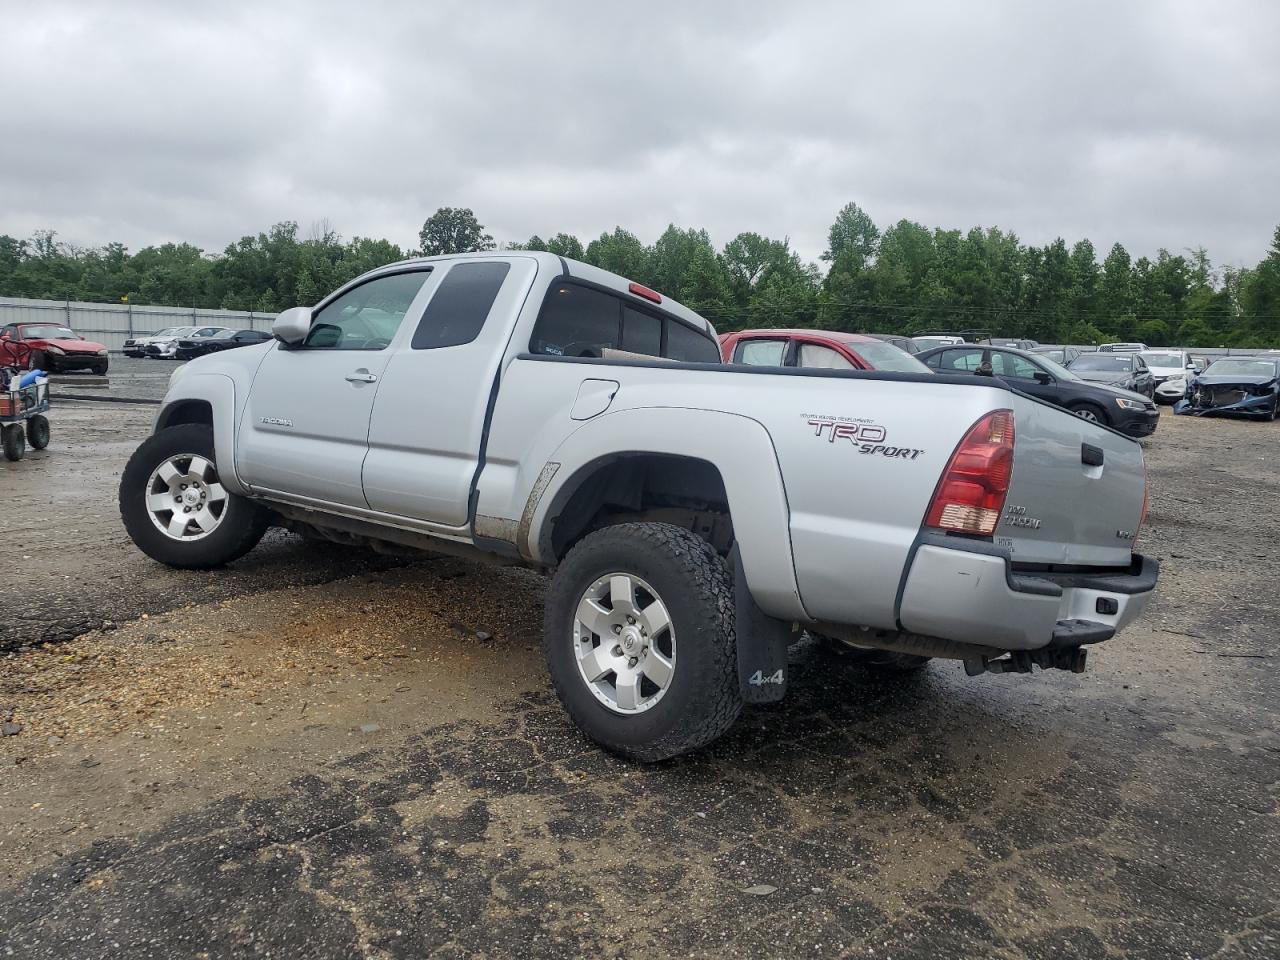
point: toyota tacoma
(693, 515)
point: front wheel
(39, 360)
(1089, 411)
(99, 368)
(176, 510)
(640, 642)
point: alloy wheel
(184, 498)
(624, 643)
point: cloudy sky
(1150, 123)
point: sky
(1154, 124)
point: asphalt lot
(321, 753)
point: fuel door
(594, 397)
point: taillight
(971, 493)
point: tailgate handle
(1090, 455)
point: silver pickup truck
(528, 409)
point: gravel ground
(320, 753)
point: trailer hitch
(1021, 661)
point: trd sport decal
(867, 437)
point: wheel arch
(210, 399)
(691, 458)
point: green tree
(564, 245)
(854, 233)
(620, 252)
(452, 230)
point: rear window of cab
(577, 320)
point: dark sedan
(1243, 386)
(226, 340)
(1130, 413)
(1127, 371)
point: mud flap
(762, 643)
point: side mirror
(1191, 366)
(292, 326)
(1042, 377)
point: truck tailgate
(1076, 493)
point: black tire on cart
(175, 508)
(640, 642)
(14, 441)
(38, 431)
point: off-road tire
(242, 525)
(14, 441)
(695, 585)
(38, 431)
(1099, 414)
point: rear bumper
(968, 591)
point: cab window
(760, 353)
(822, 358)
(365, 317)
(641, 332)
(689, 346)
(1008, 365)
(577, 321)
(957, 361)
(460, 305)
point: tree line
(906, 278)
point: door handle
(359, 377)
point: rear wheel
(1089, 411)
(175, 508)
(639, 640)
(38, 431)
(14, 441)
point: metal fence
(113, 323)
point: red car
(827, 349)
(50, 347)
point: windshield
(48, 331)
(885, 356)
(1241, 368)
(1155, 359)
(1110, 363)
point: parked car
(1128, 371)
(1243, 386)
(1059, 355)
(137, 346)
(1011, 342)
(223, 340)
(1131, 413)
(50, 347)
(1170, 369)
(823, 349)
(523, 408)
(166, 348)
(1122, 347)
(930, 341)
(906, 344)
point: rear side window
(689, 346)
(577, 322)
(460, 305)
(761, 353)
(641, 332)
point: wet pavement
(316, 753)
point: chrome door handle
(361, 378)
